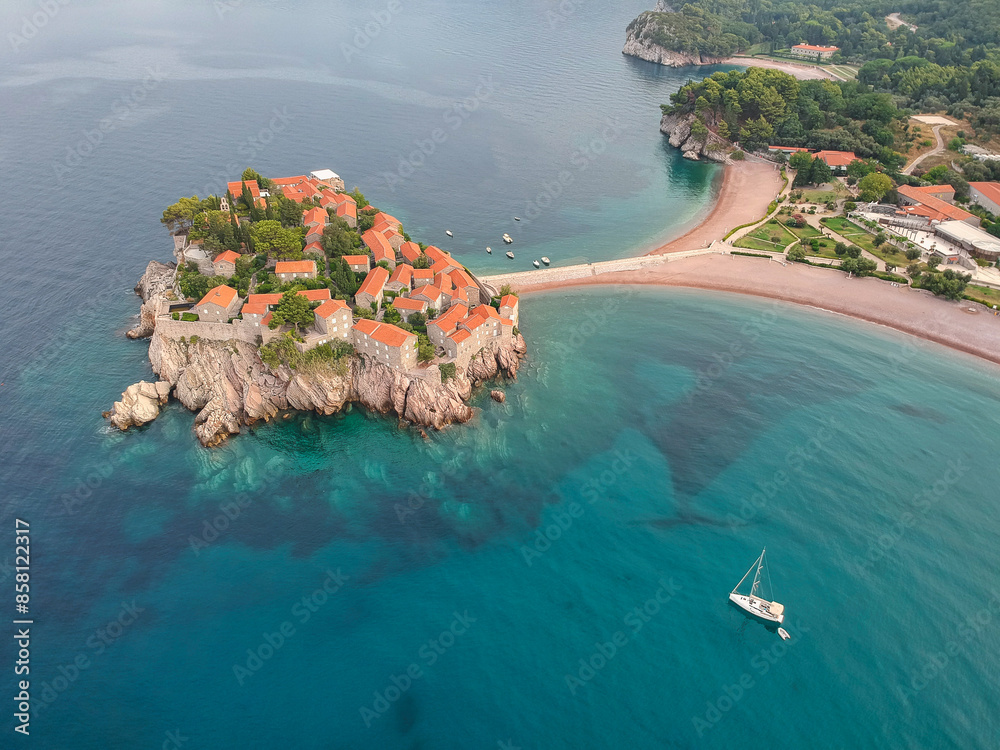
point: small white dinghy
(784, 634)
(754, 604)
(545, 260)
(489, 250)
(448, 232)
(517, 218)
(536, 264)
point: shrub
(850, 206)
(194, 339)
(447, 370)
(175, 316)
(912, 253)
(189, 317)
(737, 156)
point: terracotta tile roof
(236, 188)
(459, 336)
(252, 308)
(374, 282)
(266, 320)
(443, 282)
(506, 322)
(935, 204)
(313, 247)
(314, 215)
(378, 244)
(508, 300)
(459, 295)
(295, 266)
(410, 251)
(383, 227)
(435, 253)
(432, 293)
(788, 149)
(487, 311)
(814, 48)
(357, 260)
(315, 295)
(937, 189)
(474, 320)
(383, 217)
(442, 266)
(330, 307)
(289, 180)
(408, 303)
(423, 276)
(385, 333)
(228, 256)
(347, 209)
(461, 278)
(263, 299)
(836, 158)
(402, 275)
(342, 198)
(449, 319)
(990, 190)
(222, 296)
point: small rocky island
(291, 293)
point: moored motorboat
(754, 604)
(489, 250)
(448, 232)
(507, 238)
(510, 255)
(545, 260)
(517, 218)
(535, 263)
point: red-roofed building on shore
(440, 327)
(434, 254)
(288, 270)
(787, 150)
(837, 161)
(987, 195)
(225, 263)
(814, 52)
(334, 319)
(509, 308)
(218, 306)
(407, 306)
(372, 287)
(359, 263)
(385, 343)
(916, 202)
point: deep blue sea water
(470, 572)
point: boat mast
(756, 577)
(748, 573)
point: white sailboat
(754, 604)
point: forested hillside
(950, 62)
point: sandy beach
(747, 189)
(802, 72)
(908, 310)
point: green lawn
(866, 241)
(984, 294)
(760, 239)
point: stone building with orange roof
(218, 306)
(386, 344)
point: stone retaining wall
(238, 329)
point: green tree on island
(179, 217)
(294, 309)
(271, 238)
(337, 238)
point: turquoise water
(634, 455)
(653, 443)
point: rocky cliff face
(229, 386)
(638, 43)
(152, 287)
(711, 146)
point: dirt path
(908, 169)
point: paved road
(908, 169)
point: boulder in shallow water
(140, 403)
(498, 396)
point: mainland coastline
(747, 189)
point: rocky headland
(645, 38)
(229, 386)
(709, 145)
